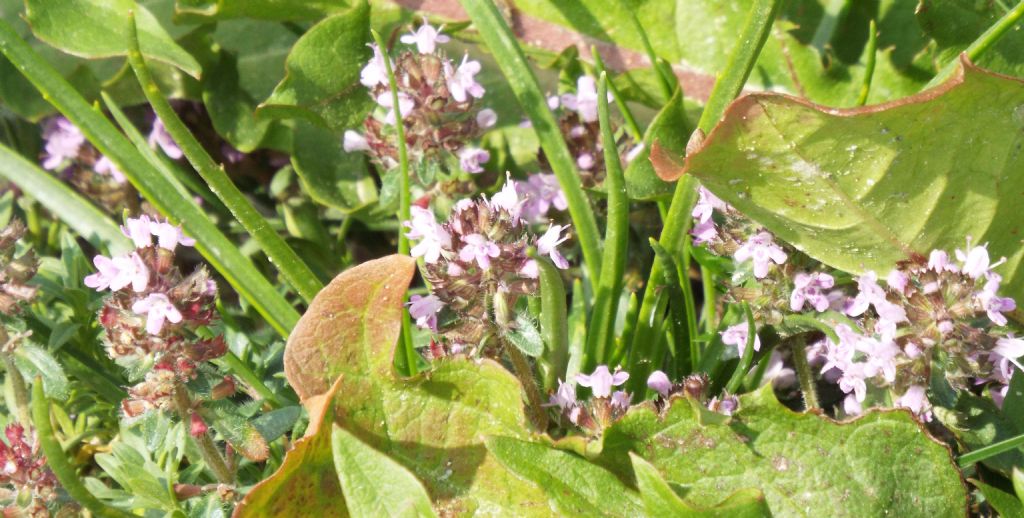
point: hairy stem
(804, 374)
(522, 370)
(212, 456)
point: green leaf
(660, 500)
(242, 435)
(230, 108)
(956, 24)
(321, 82)
(525, 336)
(276, 423)
(1006, 504)
(575, 487)
(433, 423)
(99, 29)
(803, 463)
(374, 484)
(862, 189)
(331, 176)
(671, 129)
(259, 9)
(33, 361)
(60, 199)
(977, 422)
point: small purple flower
(139, 230)
(851, 405)
(106, 167)
(737, 335)
(374, 73)
(620, 400)
(898, 281)
(405, 105)
(728, 405)
(852, 380)
(810, 288)
(938, 262)
(704, 232)
(761, 248)
(434, 239)
(1005, 354)
(585, 161)
(554, 102)
(169, 236)
(565, 397)
(707, 204)
(158, 309)
(63, 142)
(507, 198)
(471, 158)
(881, 357)
(916, 400)
(354, 141)
(425, 38)
(118, 272)
(585, 100)
(995, 306)
(462, 81)
(479, 248)
(424, 310)
(658, 381)
(158, 136)
(487, 118)
(541, 192)
(602, 380)
(548, 243)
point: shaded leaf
(321, 82)
(804, 464)
(862, 189)
(977, 422)
(660, 500)
(237, 431)
(955, 24)
(373, 484)
(276, 423)
(99, 29)
(1006, 504)
(259, 9)
(331, 176)
(671, 129)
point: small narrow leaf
(525, 336)
(33, 361)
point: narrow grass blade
(554, 324)
(982, 44)
(748, 353)
(499, 39)
(161, 193)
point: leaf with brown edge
(306, 484)
(434, 423)
(862, 189)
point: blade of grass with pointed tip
(502, 43)
(159, 191)
(292, 268)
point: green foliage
(955, 25)
(660, 499)
(331, 176)
(671, 129)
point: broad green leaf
(33, 361)
(574, 486)
(661, 500)
(525, 336)
(1006, 504)
(329, 175)
(321, 82)
(955, 24)
(374, 484)
(803, 463)
(99, 29)
(671, 129)
(230, 108)
(432, 424)
(863, 189)
(306, 484)
(259, 9)
(276, 423)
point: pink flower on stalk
(354, 141)
(546, 245)
(158, 309)
(507, 198)
(462, 80)
(976, 260)
(898, 281)
(118, 272)
(158, 137)
(707, 204)
(584, 102)
(433, 238)
(63, 142)
(139, 230)
(471, 158)
(479, 248)
(852, 380)
(761, 248)
(169, 236)
(809, 287)
(620, 400)
(424, 310)
(106, 167)
(425, 38)
(405, 105)
(916, 400)
(375, 72)
(541, 192)
(486, 118)
(564, 398)
(704, 232)
(737, 335)
(658, 381)
(993, 304)
(1005, 354)
(602, 380)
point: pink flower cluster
(605, 405)
(23, 468)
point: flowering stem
(292, 268)
(523, 371)
(17, 385)
(803, 372)
(211, 456)
(748, 353)
(408, 358)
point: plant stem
(554, 325)
(21, 399)
(869, 67)
(803, 373)
(991, 450)
(522, 370)
(748, 353)
(236, 366)
(211, 456)
(627, 116)
(982, 43)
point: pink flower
(405, 105)
(434, 239)
(737, 335)
(881, 357)
(508, 198)
(486, 118)
(105, 167)
(471, 158)
(898, 281)
(461, 82)
(424, 310)
(851, 405)
(354, 141)
(139, 230)
(118, 272)
(546, 245)
(585, 161)
(852, 380)
(658, 381)
(374, 73)
(602, 380)
(976, 260)
(915, 399)
(1005, 354)
(704, 232)
(707, 204)
(938, 262)
(478, 248)
(620, 400)
(585, 100)
(541, 192)
(158, 309)
(425, 38)
(169, 236)
(63, 142)
(564, 398)
(762, 249)
(809, 288)
(158, 136)
(995, 306)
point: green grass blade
(982, 44)
(161, 193)
(601, 335)
(60, 199)
(554, 323)
(748, 353)
(991, 450)
(499, 39)
(292, 268)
